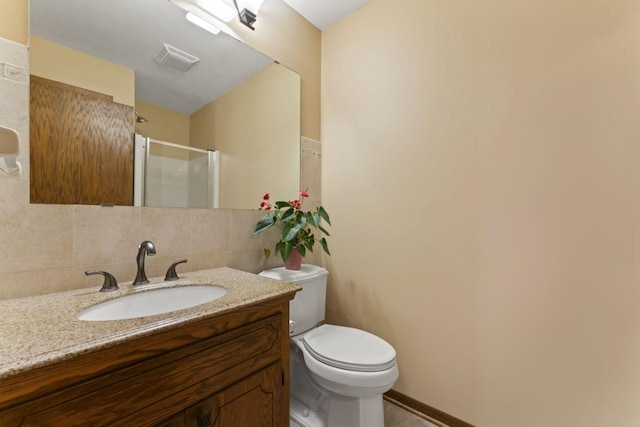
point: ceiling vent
(175, 58)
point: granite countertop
(40, 330)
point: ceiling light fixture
(212, 13)
(194, 19)
(198, 16)
(218, 8)
(140, 119)
(248, 11)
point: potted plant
(297, 228)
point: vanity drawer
(156, 389)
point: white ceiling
(132, 32)
(323, 13)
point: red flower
(296, 204)
(303, 193)
(266, 196)
(265, 205)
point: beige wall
(268, 101)
(59, 63)
(12, 20)
(164, 125)
(481, 166)
(285, 36)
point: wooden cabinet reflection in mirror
(81, 149)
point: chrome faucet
(145, 248)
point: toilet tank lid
(306, 273)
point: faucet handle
(171, 272)
(110, 283)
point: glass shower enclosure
(172, 175)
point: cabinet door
(81, 146)
(254, 401)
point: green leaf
(316, 219)
(286, 251)
(323, 230)
(312, 219)
(324, 214)
(301, 249)
(288, 215)
(281, 204)
(323, 242)
(267, 253)
(286, 227)
(309, 245)
(291, 233)
(265, 223)
(279, 248)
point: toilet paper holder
(9, 150)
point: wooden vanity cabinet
(229, 370)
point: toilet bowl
(338, 374)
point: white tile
(14, 53)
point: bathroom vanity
(223, 363)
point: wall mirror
(105, 74)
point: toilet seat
(346, 382)
(349, 349)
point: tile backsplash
(47, 248)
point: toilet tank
(306, 310)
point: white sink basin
(152, 302)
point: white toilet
(338, 374)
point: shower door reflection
(172, 175)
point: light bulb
(219, 8)
(202, 23)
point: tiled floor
(395, 416)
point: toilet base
(301, 416)
(365, 412)
(320, 402)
